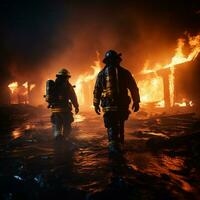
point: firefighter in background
(111, 92)
(61, 96)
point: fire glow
(151, 87)
(153, 90)
(20, 93)
(13, 86)
(85, 84)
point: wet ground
(160, 160)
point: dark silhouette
(111, 91)
(61, 96)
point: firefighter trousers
(115, 126)
(61, 124)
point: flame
(87, 79)
(184, 103)
(171, 85)
(160, 104)
(20, 93)
(28, 85)
(146, 88)
(13, 86)
(179, 57)
(151, 89)
(32, 86)
(25, 84)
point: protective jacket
(112, 89)
(64, 96)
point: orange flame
(32, 86)
(13, 86)
(87, 79)
(29, 86)
(184, 103)
(178, 58)
(151, 89)
(20, 93)
(25, 84)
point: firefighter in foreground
(61, 96)
(111, 92)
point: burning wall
(154, 90)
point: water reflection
(79, 118)
(29, 126)
(84, 161)
(16, 133)
(175, 164)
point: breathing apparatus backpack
(50, 96)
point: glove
(76, 110)
(136, 107)
(97, 110)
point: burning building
(186, 82)
(161, 84)
(20, 93)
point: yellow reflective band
(107, 92)
(58, 110)
(110, 108)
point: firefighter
(61, 96)
(111, 92)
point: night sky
(40, 37)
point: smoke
(39, 38)
(139, 30)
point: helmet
(112, 55)
(64, 72)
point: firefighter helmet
(112, 55)
(64, 72)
